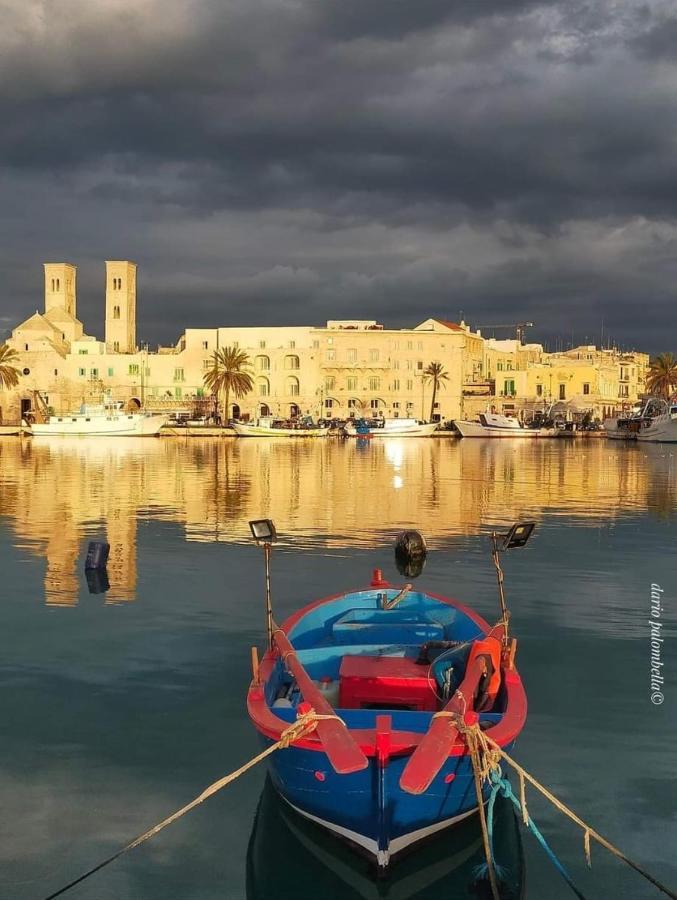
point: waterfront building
(345, 368)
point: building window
(116, 312)
(293, 386)
(586, 388)
(206, 363)
(410, 364)
(331, 355)
(509, 388)
(262, 345)
(420, 345)
(93, 373)
(410, 345)
(133, 369)
(419, 365)
(539, 390)
(352, 383)
(396, 384)
(316, 345)
(292, 345)
(83, 352)
(263, 386)
(205, 345)
(329, 403)
(410, 385)
(263, 362)
(116, 346)
(499, 366)
(374, 384)
(562, 392)
(329, 383)
(396, 405)
(26, 347)
(58, 284)
(509, 366)
(178, 393)
(56, 372)
(179, 375)
(373, 356)
(111, 372)
(82, 372)
(330, 340)
(373, 404)
(396, 364)
(351, 355)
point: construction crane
(520, 328)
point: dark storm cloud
(290, 161)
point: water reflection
(290, 857)
(54, 495)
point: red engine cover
(385, 682)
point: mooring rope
(303, 726)
(490, 753)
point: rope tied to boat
(304, 725)
(486, 756)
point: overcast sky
(290, 161)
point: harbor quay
(342, 369)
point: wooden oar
(431, 754)
(341, 748)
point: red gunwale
(271, 726)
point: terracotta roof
(452, 326)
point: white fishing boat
(270, 427)
(495, 425)
(389, 428)
(106, 420)
(656, 422)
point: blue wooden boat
(386, 772)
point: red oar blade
(433, 751)
(342, 750)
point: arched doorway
(264, 409)
(294, 411)
(133, 404)
(236, 411)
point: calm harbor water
(120, 707)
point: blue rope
(500, 785)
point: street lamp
(264, 533)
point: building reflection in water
(57, 494)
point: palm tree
(227, 373)
(436, 373)
(9, 373)
(662, 376)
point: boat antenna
(517, 536)
(265, 535)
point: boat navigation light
(265, 535)
(263, 531)
(518, 535)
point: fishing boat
(394, 674)
(106, 420)
(270, 427)
(655, 422)
(495, 425)
(389, 428)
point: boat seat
(385, 626)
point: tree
(228, 374)
(9, 373)
(435, 372)
(662, 376)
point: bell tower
(60, 287)
(120, 306)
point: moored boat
(383, 770)
(495, 425)
(389, 428)
(106, 420)
(270, 427)
(655, 422)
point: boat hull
(476, 429)
(132, 425)
(424, 430)
(262, 432)
(368, 809)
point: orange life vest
(490, 649)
